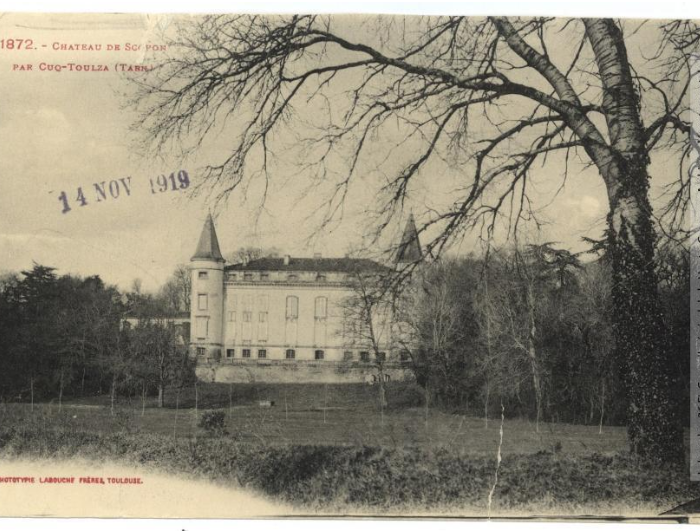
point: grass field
(329, 448)
(344, 415)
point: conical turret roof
(208, 246)
(409, 250)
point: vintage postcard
(349, 265)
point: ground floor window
(262, 353)
(347, 355)
(230, 353)
(290, 354)
(246, 353)
(318, 354)
(201, 351)
(364, 356)
(404, 355)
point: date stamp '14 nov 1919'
(114, 189)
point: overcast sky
(61, 131)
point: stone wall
(297, 371)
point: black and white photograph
(346, 265)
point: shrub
(213, 423)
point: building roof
(299, 264)
(409, 250)
(208, 246)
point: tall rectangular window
(320, 308)
(231, 316)
(230, 353)
(247, 316)
(292, 311)
(290, 353)
(245, 353)
(202, 302)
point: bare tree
(158, 357)
(136, 286)
(176, 290)
(367, 320)
(593, 313)
(248, 253)
(494, 97)
(433, 322)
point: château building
(291, 319)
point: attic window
(321, 277)
(247, 276)
(292, 277)
(264, 276)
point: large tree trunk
(643, 361)
(653, 418)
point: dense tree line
(530, 328)
(63, 336)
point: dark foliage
(479, 325)
(60, 336)
(380, 478)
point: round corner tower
(207, 294)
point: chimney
(286, 260)
(317, 255)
